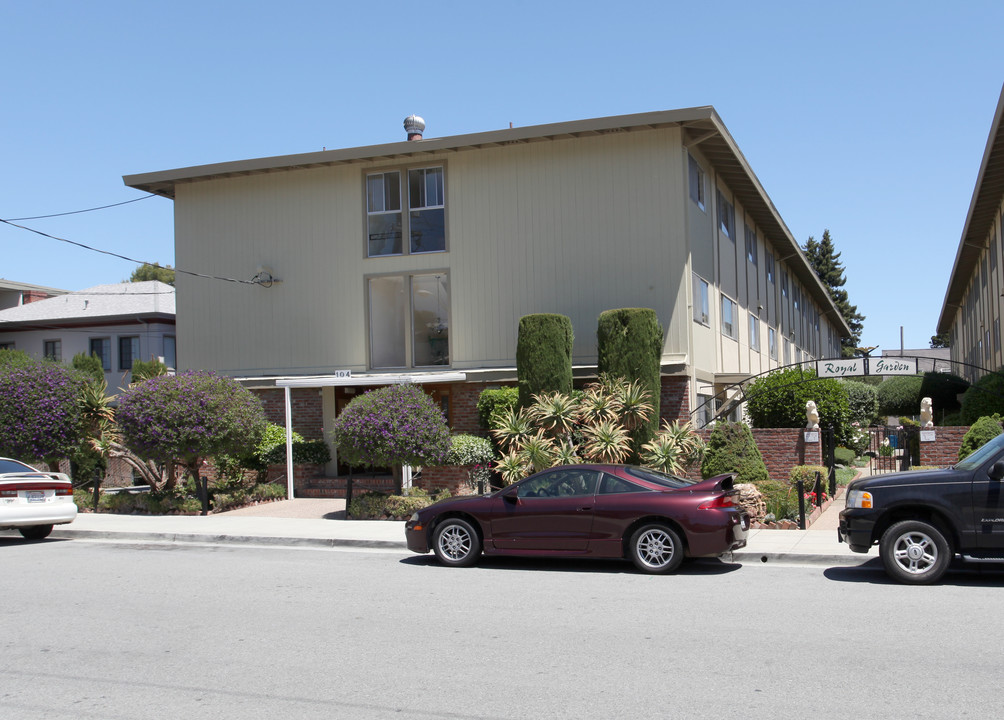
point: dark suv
(921, 520)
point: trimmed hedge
(900, 395)
(731, 448)
(779, 398)
(983, 431)
(543, 355)
(985, 397)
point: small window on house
(170, 351)
(102, 349)
(726, 216)
(993, 250)
(128, 352)
(772, 343)
(754, 332)
(784, 284)
(983, 272)
(770, 268)
(696, 183)
(53, 350)
(787, 353)
(701, 303)
(6, 346)
(427, 205)
(729, 318)
(705, 407)
(750, 245)
(383, 213)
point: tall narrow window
(754, 332)
(53, 350)
(430, 299)
(726, 216)
(102, 348)
(729, 317)
(772, 342)
(696, 183)
(701, 306)
(383, 213)
(426, 201)
(750, 245)
(770, 268)
(128, 352)
(170, 351)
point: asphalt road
(103, 630)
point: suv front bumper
(856, 528)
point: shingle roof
(101, 302)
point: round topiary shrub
(777, 400)
(862, 399)
(732, 449)
(900, 395)
(983, 431)
(984, 397)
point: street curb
(224, 539)
(766, 558)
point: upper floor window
(770, 268)
(53, 350)
(726, 216)
(784, 284)
(701, 306)
(102, 349)
(754, 332)
(424, 223)
(409, 320)
(128, 352)
(729, 318)
(750, 245)
(696, 182)
(983, 272)
(772, 342)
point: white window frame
(754, 332)
(726, 217)
(403, 324)
(697, 182)
(702, 301)
(407, 208)
(730, 309)
(772, 342)
(751, 252)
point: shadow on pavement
(695, 567)
(960, 574)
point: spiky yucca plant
(511, 428)
(555, 412)
(606, 442)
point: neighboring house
(15, 294)
(118, 323)
(415, 260)
(972, 310)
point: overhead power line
(256, 280)
(77, 212)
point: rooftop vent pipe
(414, 126)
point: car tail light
(64, 491)
(722, 501)
(8, 493)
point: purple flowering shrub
(40, 417)
(394, 425)
(187, 417)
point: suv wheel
(915, 552)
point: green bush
(629, 345)
(984, 397)
(900, 395)
(862, 400)
(983, 431)
(493, 400)
(807, 474)
(779, 398)
(376, 505)
(543, 355)
(731, 448)
(780, 498)
(844, 456)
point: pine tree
(830, 270)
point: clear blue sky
(867, 118)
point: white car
(33, 501)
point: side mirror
(996, 471)
(510, 494)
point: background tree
(146, 271)
(629, 346)
(188, 418)
(390, 427)
(40, 410)
(543, 355)
(941, 340)
(828, 267)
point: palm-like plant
(674, 448)
(512, 467)
(606, 441)
(538, 450)
(566, 454)
(554, 412)
(635, 406)
(598, 406)
(511, 427)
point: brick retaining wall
(944, 450)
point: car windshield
(659, 478)
(13, 466)
(982, 455)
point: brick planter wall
(782, 449)
(674, 400)
(308, 415)
(451, 477)
(944, 450)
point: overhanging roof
(702, 127)
(982, 212)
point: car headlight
(414, 517)
(859, 499)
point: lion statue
(926, 413)
(811, 416)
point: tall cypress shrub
(543, 355)
(629, 345)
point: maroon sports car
(598, 511)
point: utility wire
(256, 280)
(77, 212)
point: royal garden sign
(850, 367)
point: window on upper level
(702, 308)
(697, 182)
(772, 342)
(726, 216)
(53, 350)
(422, 221)
(750, 245)
(754, 332)
(770, 268)
(409, 320)
(729, 328)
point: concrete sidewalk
(321, 523)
